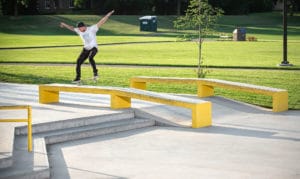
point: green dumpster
(148, 23)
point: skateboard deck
(87, 80)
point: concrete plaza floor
(244, 141)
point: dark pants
(82, 57)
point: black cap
(80, 24)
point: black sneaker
(76, 80)
(96, 76)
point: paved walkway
(245, 141)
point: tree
(79, 3)
(261, 5)
(201, 17)
(15, 7)
(18, 3)
(243, 6)
(293, 6)
(178, 7)
(1, 13)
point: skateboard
(87, 80)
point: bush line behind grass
(115, 76)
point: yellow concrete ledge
(121, 98)
(206, 88)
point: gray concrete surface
(6, 144)
(245, 141)
(161, 152)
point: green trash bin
(148, 23)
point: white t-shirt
(88, 37)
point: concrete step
(34, 165)
(6, 144)
(77, 122)
(96, 130)
(8, 129)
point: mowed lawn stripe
(234, 54)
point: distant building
(278, 6)
(52, 6)
(57, 6)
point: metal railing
(28, 120)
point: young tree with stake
(201, 17)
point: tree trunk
(178, 7)
(15, 8)
(1, 13)
(200, 70)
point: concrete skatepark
(245, 141)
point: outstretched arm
(63, 25)
(105, 18)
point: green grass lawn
(221, 54)
(44, 30)
(115, 76)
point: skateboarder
(90, 48)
